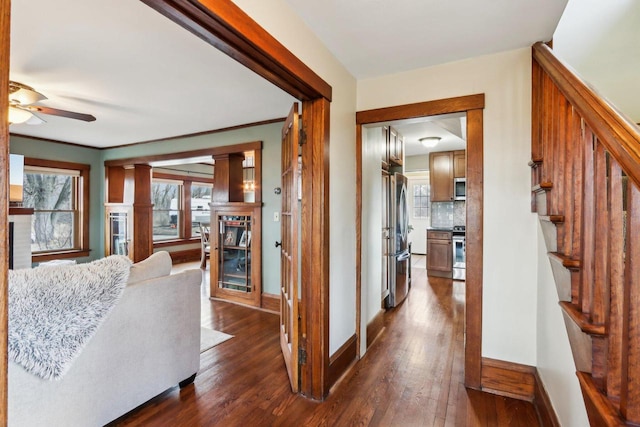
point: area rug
(210, 338)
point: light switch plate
(276, 216)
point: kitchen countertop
(439, 228)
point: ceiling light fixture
(18, 115)
(430, 141)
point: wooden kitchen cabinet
(439, 253)
(396, 146)
(441, 176)
(459, 164)
(385, 147)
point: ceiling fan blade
(61, 113)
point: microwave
(460, 188)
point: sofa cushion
(157, 265)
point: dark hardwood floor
(411, 376)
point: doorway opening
(472, 107)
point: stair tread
(600, 409)
(566, 260)
(556, 219)
(582, 320)
(543, 186)
(534, 163)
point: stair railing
(586, 180)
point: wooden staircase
(585, 172)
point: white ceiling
(378, 37)
(143, 77)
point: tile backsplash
(459, 213)
(442, 214)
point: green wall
(72, 153)
(268, 134)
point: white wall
(555, 362)
(371, 297)
(510, 257)
(601, 40)
(277, 17)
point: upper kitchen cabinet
(441, 176)
(392, 147)
(396, 146)
(385, 147)
(459, 164)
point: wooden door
(289, 247)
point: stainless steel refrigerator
(399, 252)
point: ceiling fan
(22, 109)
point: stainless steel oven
(459, 253)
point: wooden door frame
(225, 26)
(228, 28)
(472, 105)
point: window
(58, 192)
(172, 218)
(166, 197)
(421, 201)
(200, 210)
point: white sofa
(149, 342)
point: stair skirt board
(562, 276)
(541, 202)
(550, 233)
(518, 381)
(581, 346)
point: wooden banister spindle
(600, 285)
(577, 132)
(559, 187)
(630, 391)
(555, 149)
(600, 305)
(616, 278)
(536, 119)
(588, 225)
(571, 182)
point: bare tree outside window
(52, 197)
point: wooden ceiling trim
(224, 25)
(214, 151)
(421, 109)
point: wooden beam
(315, 381)
(421, 109)
(213, 151)
(474, 242)
(227, 27)
(5, 18)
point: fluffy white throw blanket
(54, 311)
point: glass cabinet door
(234, 253)
(236, 265)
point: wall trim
(375, 327)
(520, 382)
(270, 302)
(508, 379)
(542, 402)
(342, 359)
